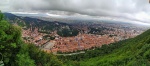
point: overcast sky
(130, 9)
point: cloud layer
(130, 9)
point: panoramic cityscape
(74, 32)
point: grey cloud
(116, 8)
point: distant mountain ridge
(43, 26)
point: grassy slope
(134, 52)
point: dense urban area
(71, 37)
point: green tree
(9, 41)
(41, 58)
(23, 57)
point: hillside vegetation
(130, 52)
(134, 52)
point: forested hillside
(130, 52)
(133, 52)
